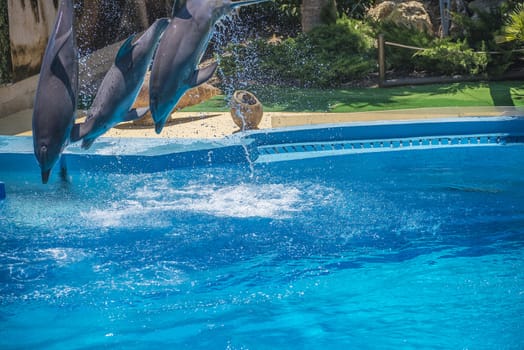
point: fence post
(381, 61)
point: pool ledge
(158, 154)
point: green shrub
(400, 59)
(480, 34)
(451, 58)
(328, 55)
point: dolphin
(56, 95)
(120, 86)
(180, 50)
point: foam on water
(148, 205)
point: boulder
(411, 14)
(192, 97)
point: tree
(513, 30)
(316, 12)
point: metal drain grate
(363, 145)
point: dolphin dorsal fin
(202, 75)
(177, 6)
(126, 47)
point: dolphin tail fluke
(237, 4)
(202, 75)
(135, 113)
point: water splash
(229, 43)
(148, 206)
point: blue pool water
(411, 248)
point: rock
(382, 10)
(192, 97)
(411, 14)
(196, 95)
(30, 24)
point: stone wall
(30, 22)
(98, 23)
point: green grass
(478, 94)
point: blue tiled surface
(158, 154)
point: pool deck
(219, 125)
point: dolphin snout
(45, 176)
(158, 127)
(43, 159)
(156, 113)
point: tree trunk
(87, 25)
(141, 11)
(317, 12)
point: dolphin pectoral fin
(80, 130)
(202, 75)
(135, 114)
(75, 133)
(126, 47)
(57, 64)
(56, 42)
(60, 42)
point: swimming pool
(379, 235)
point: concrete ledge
(219, 125)
(18, 96)
(296, 119)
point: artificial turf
(478, 94)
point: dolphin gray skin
(120, 86)
(180, 50)
(56, 94)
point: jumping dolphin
(56, 95)
(120, 86)
(180, 50)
